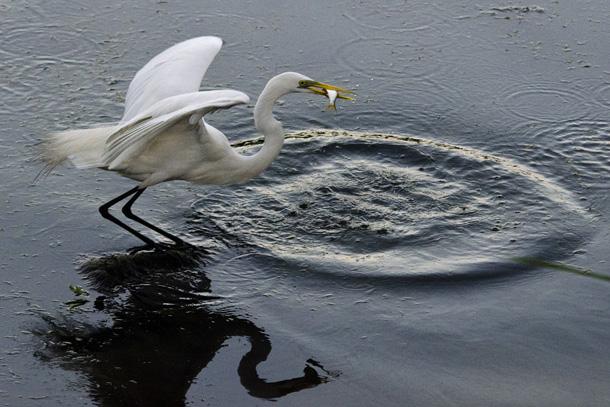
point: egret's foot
(164, 247)
(181, 243)
(144, 248)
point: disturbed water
(441, 241)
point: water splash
(366, 204)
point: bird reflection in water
(164, 331)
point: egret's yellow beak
(320, 88)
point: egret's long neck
(269, 127)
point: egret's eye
(301, 83)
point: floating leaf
(78, 290)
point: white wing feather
(133, 137)
(175, 71)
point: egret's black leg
(128, 213)
(104, 211)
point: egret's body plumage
(163, 134)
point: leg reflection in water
(161, 336)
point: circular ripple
(377, 204)
(383, 58)
(602, 94)
(578, 152)
(31, 39)
(545, 104)
(425, 26)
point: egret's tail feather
(83, 147)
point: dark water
(419, 256)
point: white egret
(163, 135)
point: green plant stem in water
(539, 263)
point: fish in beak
(332, 99)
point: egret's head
(295, 82)
(320, 88)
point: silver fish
(332, 99)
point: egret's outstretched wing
(177, 70)
(133, 137)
